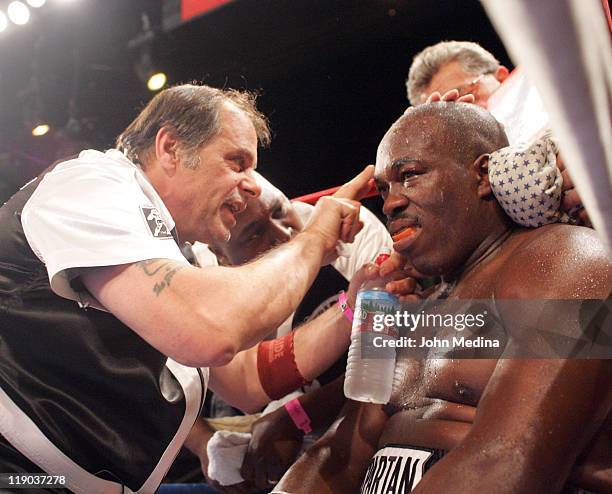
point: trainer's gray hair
(425, 65)
(192, 112)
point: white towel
(226, 452)
(226, 449)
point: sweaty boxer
(488, 425)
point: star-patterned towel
(527, 182)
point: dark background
(330, 74)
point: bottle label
(371, 308)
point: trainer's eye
(237, 163)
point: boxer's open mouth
(404, 233)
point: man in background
(468, 69)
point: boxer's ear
(481, 168)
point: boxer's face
(453, 76)
(267, 221)
(211, 196)
(428, 189)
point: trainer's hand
(402, 279)
(367, 272)
(336, 218)
(358, 187)
(448, 96)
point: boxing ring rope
(576, 87)
(315, 196)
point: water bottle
(371, 361)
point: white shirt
(96, 210)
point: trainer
(106, 331)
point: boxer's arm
(276, 440)
(535, 417)
(338, 461)
(532, 423)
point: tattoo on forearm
(168, 270)
(149, 266)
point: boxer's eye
(407, 175)
(253, 237)
(279, 213)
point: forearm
(338, 461)
(259, 296)
(321, 341)
(238, 382)
(324, 404)
(213, 312)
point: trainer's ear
(501, 73)
(166, 149)
(481, 168)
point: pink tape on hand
(345, 307)
(298, 415)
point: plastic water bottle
(371, 363)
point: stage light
(36, 3)
(18, 13)
(40, 130)
(3, 21)
(157, 81)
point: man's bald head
(462, 129)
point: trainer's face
(428, 190)
(267, 221)
(213, 194)
(453, 76)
